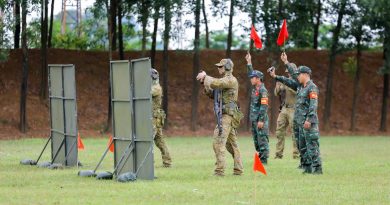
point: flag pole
(254, 182)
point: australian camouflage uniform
(158, 123)
(231, 116)
(285, 119)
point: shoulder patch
(264, 101)
(313, 95)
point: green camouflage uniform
(231, 117)
(158, 122)
(285, 119)
(305, 110)
(258, 113)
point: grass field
(356, 171)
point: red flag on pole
(112, 148)
(256, 39)
(257, 165)
(283, 34)
(80, 144)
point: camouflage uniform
(158, 122)
(258, 113)
(305, 110)
(285, 119)
(231, 117)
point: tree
(195, 70)
(17, 24)
(230, 31)
(207, 39)
(44, 72)
(113, 31)
(166, 36)
(317, 23)
(144, 15)
(332, 58)
(120, 31)
(380, 15)
(50, 34)
(156, 16)
(23, 91)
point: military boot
(317, 170)
(306, 169)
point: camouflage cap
(257, 74)
(304, 69)
(226, 63)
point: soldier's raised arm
(218, 83)
(249, 66)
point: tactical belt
(231, 105)
(289, 106)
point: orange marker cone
(112, 147)
(257, 165)
(80, 144)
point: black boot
(264, 161)
(307, 169)
(317, 170)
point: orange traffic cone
(80, 144)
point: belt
(289, 106)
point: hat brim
(219, 64)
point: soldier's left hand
(307, 125)
(260, 125)
(201, 76)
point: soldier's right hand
(272, 73)
(283, 57)
(248, 58)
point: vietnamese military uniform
(285, 119)
(305, 110)
(258, 113)
(158, 122)
(231, 117)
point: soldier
(258, 111)
(285, 118)
(305, 116)
(226, 137)
(158, 119)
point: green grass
(356, 171)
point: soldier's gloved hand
(307, 125)
(272, 73)
(248, 58)
(283, 57)
(260, 125)
(201, 76)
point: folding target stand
(63, 114)
(63, 118)
(131, 102)
(132, 117)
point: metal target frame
(63, 114)
(131, 102)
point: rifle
(217, 93)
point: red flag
(80, 144)
(283, 34)
(257, 165)
(112, 148)
(256, 39)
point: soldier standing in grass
(158, 119)
(285, 118)
(225, 134)
(305, 115)
(258, 111)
